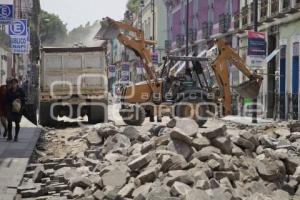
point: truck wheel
(30, 113)
(135, 118)
(188, 109)
(97, 114)
(45, 118)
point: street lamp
(255, 26)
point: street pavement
(113, 115)
(247, 120)
(14, 158)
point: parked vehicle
(73, 83)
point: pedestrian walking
(3, 107)
(15, 101)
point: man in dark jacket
(14, 96)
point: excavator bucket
(249, 89)
(108, 30)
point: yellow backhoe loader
(186, 86)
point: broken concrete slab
(271, 170)
(200, 142)
(224, 144)
(178, 134)
(180, 147)
(218, 130)
(140, 162)
(204, 154)
(127, 190)
(115, 178)
(93, 138)
(179, 188)
(83, 182)
(149, 175)
(187, 125)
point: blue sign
(125, 74)
(257, 47)
(6, 13)
(18, 28)
(19, 45)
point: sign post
(19, 36)
(125, 73)
(257, 49)
(6, 11)
(111, 71)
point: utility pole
(1, 69)
(255, 27)
(187, 30)
(153, 22)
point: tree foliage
(53, 31)
(133, 5)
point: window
(205, 30)
(224, 22)
(237, 20)
(297, 3)
(264, 9)
(245, 15)
(286, 4)
(274, 7)
(252, 13)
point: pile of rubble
(172, 162)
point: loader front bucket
(108, 30)
(249, 89)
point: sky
(77, 12)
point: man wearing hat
(15, 101)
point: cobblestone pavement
(14, 158)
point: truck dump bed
(78, 70)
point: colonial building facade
(208, 19)
(280, 21)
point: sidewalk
(14, 158)
(247, 120)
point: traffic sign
(6, 12)
(111, 71)
(125, 73)
(20, 36)
(18, 28)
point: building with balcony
(280, 21)
(153, 16)
(208, 20)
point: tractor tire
(135, 120)
(184, 111)
(45, 118)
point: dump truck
(73, 83)
(182, 87)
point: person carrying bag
(15, 101)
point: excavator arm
(111, 29)
(226, 56)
